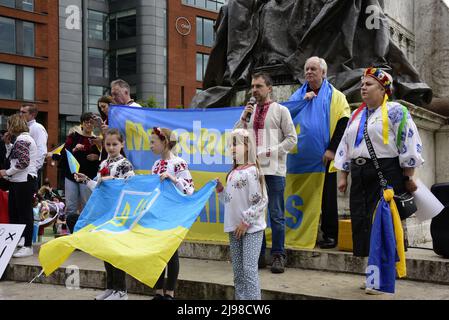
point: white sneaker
(118, 295)
(373, 291)
(21, 242)
(104, 294)
(23, 252)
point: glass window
(214, 5)
(123, 62)
(205, 35)
(28, 83)
(7, 35)
(201, 64)
(7, 81)
(123, 24)
(95, 92)
(126, 62)
(97, 22)
(28, 38)
(98, 65)
(28, 5)
(8, 3)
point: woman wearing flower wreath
(396, 143)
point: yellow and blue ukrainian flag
(387, 252)
(315, 122)
(135, 224)
(74, 165)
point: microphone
(252, 101)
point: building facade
(160, 48)
(191, 36)
(29, 62)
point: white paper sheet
(428, 205)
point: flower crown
(381, 76)
(158, 132)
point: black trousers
(172, 274)
(115, 278)
(20, 206)
(71, 221)
(329, 206)
(364, 195)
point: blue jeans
(276, 214)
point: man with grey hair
(121, 93)
(315, 71)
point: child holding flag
(245, 201)
(115, 166)
(175, 169)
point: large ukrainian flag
(136, 225)
(202, 136)
(315, 122)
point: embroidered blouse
(409, 150)
(244, 200)
(118, 168)
(178, 168)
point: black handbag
(405, 202)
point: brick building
(29, 62)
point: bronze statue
(277, 36)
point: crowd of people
(254, 187)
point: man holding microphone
(275, 134)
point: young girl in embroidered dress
(245, 201)
(115, 166)
(175, 169)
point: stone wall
(432, 44)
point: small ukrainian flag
(73, 163)
(58, 149)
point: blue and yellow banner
(135, 224)
(202, 135)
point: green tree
(149, 103)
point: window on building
(17, 82)
(214, 5)
(16, 36)
(205, 35)
(8, 3)
(97, 24)
(123, 24)
(27, 5)
(7, 81)
(7, 35)
(95, 92)
(28, 38)
(28, 83)
(201, 64)
(123, 62)
(98, 63)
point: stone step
(213, 279)
(422, 264)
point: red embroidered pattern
(161, 167)
(259, 119)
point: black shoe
(278, 264)
(158, 296)
(262, 262)
(168, 297)
(328, 243)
